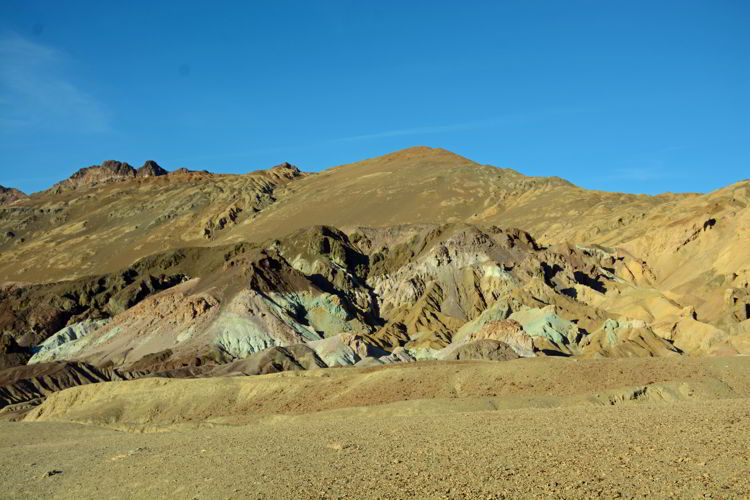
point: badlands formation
(413, 325)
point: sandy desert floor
(445, 448)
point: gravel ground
(683, 450)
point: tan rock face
(737, 301)
(622, 339)
(486, 349)
(509, 332)
(108, 171)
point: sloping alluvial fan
(119, 273)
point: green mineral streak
(541, 323)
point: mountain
(418, 254)
(417, 185)
(104, 218)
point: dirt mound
(414, 387)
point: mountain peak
(285, 170)
(9, 195)
(150, 169)
(424, 153)
(109, 171)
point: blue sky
(636, 96)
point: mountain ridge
(418, 254)
(108, 171)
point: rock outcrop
(509, 332)
(150, 169)
(9, 195)
(108, 172)
(61, 345)
(486, 349)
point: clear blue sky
(638, 96)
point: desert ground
(528, 428)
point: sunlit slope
(65, 234)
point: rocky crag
(109, 171)
(9, 195)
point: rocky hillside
(108, 171)
(101, 226)
(416, 255)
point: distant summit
(109, 171)
(150, 169)
(286, 171)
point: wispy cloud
(413, 131)
(36, 90)
(646, 170)
(647, 166)
(509, 119)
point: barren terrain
(518, 429)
